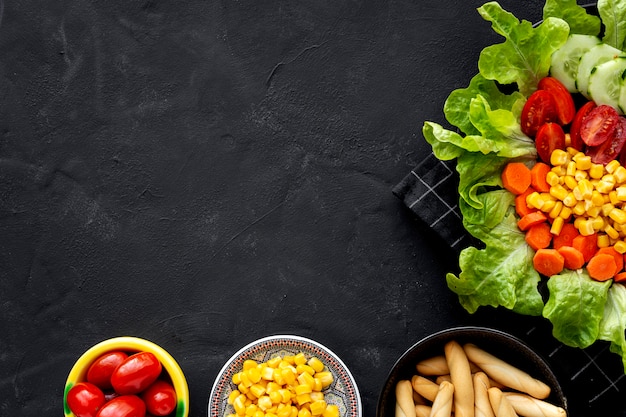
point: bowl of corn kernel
(284, 376)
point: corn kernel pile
(288, 386)
(594, 195)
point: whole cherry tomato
(611, 148)
(160, 398)
(540, 108)
(85, 399)
(574, 130)
(565, 107)
(100, 371)
(123, 406)
(549, 137)
(136, 373)
(599, 125)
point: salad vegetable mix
(498, 131)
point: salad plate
(343, 391)
(483, 135)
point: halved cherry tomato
(100, 371)
(160, 398)
(549, 137)
(611, 148)
(85, 399)
(574, 130)
(599, 125)
(123, 406)
(136, 373)
(565, 107)
(540, 108)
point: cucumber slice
(564, 62)
(591, 59)
(605, 82)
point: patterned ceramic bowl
(129, 344)
(343, 392)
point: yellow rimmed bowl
(130, 344)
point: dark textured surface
(205, 173)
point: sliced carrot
(538, 174)
(521, 207)
(539, 236)
(548, 262)
(566, 236)
(573, 257)
(602, 267)
(531, 219)
(587, 245)
(620, 277)
(619, 258)
(516, 177)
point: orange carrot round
(538, 174)
(531, 219)
(516, 177)
(521, 207)
(619, 258)
(601, 267)
(587, 245)
(620, 277)
(539, 236)
(573, 257)
(566, 236)
(548, 262)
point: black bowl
(498, 343)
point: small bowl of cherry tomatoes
(126, 377)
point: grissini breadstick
(528, 406)
(442, 378)
(437, 365)
(399, 412)
(422, 410)
(482, 406)
(461, 379)
(424, 387)
(505, 373)
(501, 406)
(442, 406)
(404, 397)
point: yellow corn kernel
(303, 389)
(277, 376)
(251, 409)
(559, 157)
(579, 208)
(611, 232)
(606, 208)
(597, 199)
(331, 411)
(596, 171)
(570, 182)
(620, 246)
(585, 227)
(620, 193)
(583, 162)
(231, 397)
(294, 411)
(605, 186)
(267, 373)
(586, 189)
(303, 412)
(316, 364)
(581, 175)
(249, 364)
(273, 362)
(305, 368)
(303, 398)
(618, 215)
(289, 375)
(565, 213)
(272, 386)
(289, 359)
(318, 407)
(326, 377)
(534, 200)
(239, 404)
(318, 385)
(569, 200)
(257, 390)
(620, 174)
(307, 379)
(284, 412)
(613, 197)
(275, 397)
(236, 378)
(299, 359)
(270, 415)
(612, 166)
(570, 169)
(558, 170)
(254, 374)
(597, 223)
(556, 209)
(603, 240)
(593, 211)
(556, 191)
(557, 226)
(552, 178)
(286, 395)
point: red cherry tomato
(574, 130)
(85, 399)
(123, 406)
(565, 107)
(100, 371)
(160, 398)
(549, 137)
(136, 373)
(599, 125)
(540, 108)
(611, 148)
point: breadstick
(422, 410)
(424, 387)
(442, 406)
(399, 412)
(505, 373)
(461, 378)
(501, 406)
(434, 366)
(442, 378)
(482, 406)
(404, 397)
(528, 406)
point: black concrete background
(205, 173)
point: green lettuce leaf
(524, 57)
(575, 307)
(501, 274)
(446, 144)
(613, 322)
(493, 206)
(576, 16)
(477, 172)
(613, 15)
